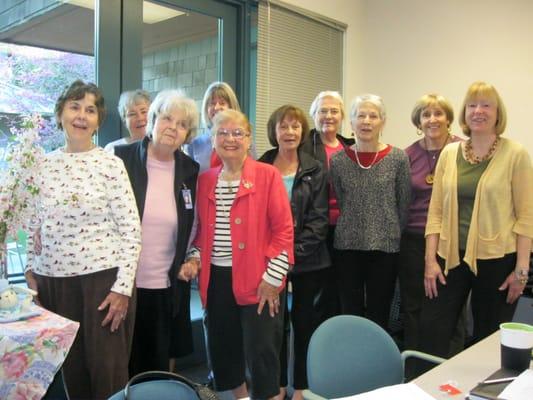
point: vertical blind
(298, 56)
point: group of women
(336, 218)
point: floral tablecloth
(31, 353)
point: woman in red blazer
(244, 245)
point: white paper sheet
(405, 391)
(521, 388)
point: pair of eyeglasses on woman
(237, 134)
(325, 111)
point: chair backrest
(157, 385)
(349, 355)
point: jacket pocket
(491, 247)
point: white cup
(516, 345)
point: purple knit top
(422, 163)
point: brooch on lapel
(247, 185)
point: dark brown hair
(286, 111)
(76, 91)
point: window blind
(298, 56)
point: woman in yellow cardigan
(480, 225)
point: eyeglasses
(333, 111)
(237, 134)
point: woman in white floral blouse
(90, 235)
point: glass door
(43, 48)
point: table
(32, 352)
(466, 369)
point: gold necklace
(430, 177)
(472, 158)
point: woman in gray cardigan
(372, 183)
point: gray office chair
(162, 385)
(348, 355)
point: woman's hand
(515, 288)
(268, 294)
(32, 284)
(432, 272)
(118, 307)
(189, 269)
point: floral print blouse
(88, 218)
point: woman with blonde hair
(219, 96)
(480, 225)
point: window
(298, 55)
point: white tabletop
(465, 370)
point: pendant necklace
(430, 177)
(359, 161)
(229, 187)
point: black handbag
(203, 392)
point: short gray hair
(170, 100)
(321, 96)
(131, 98)
(373, 99)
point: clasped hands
(189, 269)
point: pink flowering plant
(17, 184)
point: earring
(419, 131)
(449, 130)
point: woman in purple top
(432, 116)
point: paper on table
(521, 388)
(405, 391)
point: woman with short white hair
(164, 183)
(372, 183)
(133, 109)
(327, 111)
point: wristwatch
(521, 275)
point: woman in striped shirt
(245, 246)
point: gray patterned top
(373, 202)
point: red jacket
(261, 227)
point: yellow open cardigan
(503, 206)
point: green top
(468, 176)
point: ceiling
(70, 28)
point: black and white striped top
(225, 193)
(221, 254)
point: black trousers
(332, 301)
(489, 306)
(151, 336)
(411, 274)
(308, 311)
(239, 338)
(366, 282)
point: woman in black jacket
(325, 140)
(306, 184)
(164, 184)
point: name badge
(187, 198)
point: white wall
(402, 49)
